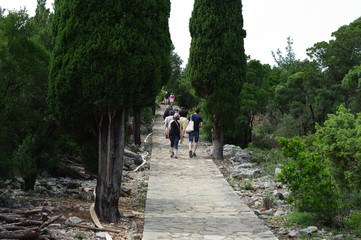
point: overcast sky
(268, 23)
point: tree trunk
(313, 119)
(110, 164)
(218, 135)
(137, 115)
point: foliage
(80, 235)
(339, 142)
(269, 160)
(311, 188)
(254, 98)
(337, 57)
(147, 116)
(176, 63)
(354, 222)
(352, 81)
(302, 219)
(288, 61)
(148, 57)
(108, 57)
(26, 128)
(185, 93)
(217, 61)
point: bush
(311, 188)
(147, 116)
(262, 136)
(268, 159)
(301, 219)
(354, 223)
(339, 142)
(287, 127)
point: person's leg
(171, 146)
(176, 141)
(196, 138)
(190, 138)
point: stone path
(188, 198)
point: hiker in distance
(175, 133)
(171, 99)
(166, 98)
(197, 124)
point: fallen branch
(93, 228)
(50, 221)
(21, 234)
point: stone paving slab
(188, 198)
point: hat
(176, 115)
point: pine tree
(217, 61)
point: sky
(268, 23)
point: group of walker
(175, 127)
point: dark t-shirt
(197, 120)
(183, 113)
(174, 129)
(166, 95)
(166, 112)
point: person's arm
(169, 127)
(181, 130)
(165, 128)
(201, 125)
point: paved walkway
(188, 198)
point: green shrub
(262, 136)
(311, 188)
(301, 219)
(147, 115)
(354, 223)
(287, 127)
(339, 142)
(269, 160)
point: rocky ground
(60, 207)
(67, 202)
(265, 195)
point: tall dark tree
(92, 80)
(217, 61)
(148, 41)
(23, 110)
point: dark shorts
(195, 135)
(174, 142)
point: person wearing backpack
(175, 133)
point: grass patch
(302, 220)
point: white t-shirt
(167, 120)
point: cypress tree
(104, 54)
(87, 83)
(217, 61)
(149, 43)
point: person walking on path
(166, 98)
(167, 121)
(166, 111)
(183, 118)
(175, 133)
(198, 123)
(171, 98)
